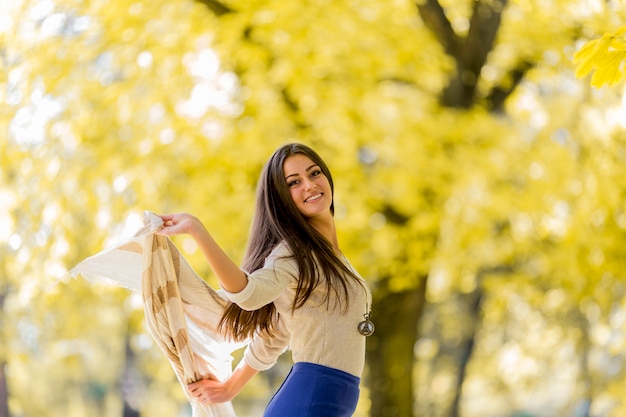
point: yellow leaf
(588, 56)
(605, 56)
(586, 51)
(618, 43)
(609, 73)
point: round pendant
(366, 327)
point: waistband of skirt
(317, 369)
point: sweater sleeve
(266, 284)
(263, 351)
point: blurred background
(480, 190)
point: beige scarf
(181, 310)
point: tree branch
(484, 26)
(498, 94)
(291, 104)
(435, 19)
(218, 8)
(471, 52)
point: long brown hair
(277, 219)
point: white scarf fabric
(181, 310)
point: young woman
(295, 289)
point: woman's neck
(327, 229)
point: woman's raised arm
(230, 276)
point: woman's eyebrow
(296, 174)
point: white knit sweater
(315, 333)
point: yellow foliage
(132, 123)
(605, 57)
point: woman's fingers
(207, 390)
(170, 223)
(198, 393)
(178, 223)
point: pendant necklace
(366, 327)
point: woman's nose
(308, 184)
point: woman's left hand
(210, 391)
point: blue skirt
(312, 390)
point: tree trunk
(130, 382)
(584, 406)
(390, 351)
(4, 386)
(466, 348)
(4, 391)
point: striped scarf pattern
(173, 298)
(182, 311)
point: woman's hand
(210, 391)
(228, 273)
(179, 223)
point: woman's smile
(314, 198)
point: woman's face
(308, 186)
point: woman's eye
(316, 173)
(292, 183)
